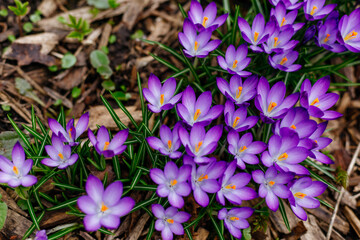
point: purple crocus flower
(60, 154)
(103, 207)
(259, 32)
(200, 143)
(317, 101)
(238, 119)
(168, 143)
(289, 4)
(279, 41)
(41, 235)
(71, 133)
(233, 186)
(205, 19)
(349, 27)
(315, 9)
(196, 45)
(272, 186)
(235, 219)
(15, 172)
(172, 182)
(297, 119)
(285, 154)
(328, 33)
(271, 102)
(285, 61)
(197, 111)
(235, 60)
(104, 146)
(169, 221)
(284, 19)
(309, 34)
(244, 149)
(238, 91)
(161, 97)
(204, 179)
(315, 143)
(304, 191)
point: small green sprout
(81, 27)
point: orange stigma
(271, 106)
(283, 61)
(314, 102)
(103, 207)
(235, 64)
(256, 35)
(231, 186)
(204, 21)
(61, 156)
(169, 144)
(313, 10)
(202, 177)
(236, 122)
(197, 146)
(234, 218)
(161, 99)
(171, 221)
(196, 46)
(271, 183)
(243, 148)
(283, 157)
(300, 195)
(351, 35)
(293, 126)
(70, 130)
(276, 41)
(106, 145)
(15, 170)
(197, 114)
(238, 92)
(283, 22)
(173, 182)
(327, 38)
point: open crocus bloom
(205, 19)
(196, 45)
(238, 119)
(15, 173)
(103, 207)
(284, 19)
(289, 4)
(349, 27)
(235, 60)
(280, 42)
(72, 132)
(303, 193)
(161, 97)
(315, 9)
(327, 36)
(235, 219)
(285, 61)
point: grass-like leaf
(283, 214)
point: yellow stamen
(283, 22)
(315, 141)
(256, 35)
(276, 41)
(242, 149)
(204, 21)
(313, 10)
(283, 157)
(197, 146)
(315, 101)
(234, 218)
(271, 106)
(171, 221)
(238, 92)
(230, 186)
(15, 170)
(173, 182)
(235, 64)
(271, 183)
(61, 156)
(70, 132)
(103, 207)
(161, 99)
(197, 114)
(236, 122)
(169, 144)
(106, 145)
(202, 177)
(196, 46)
(293, 126)
(283, 61)
(300, 195)
(327, 38)
(351, 35)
